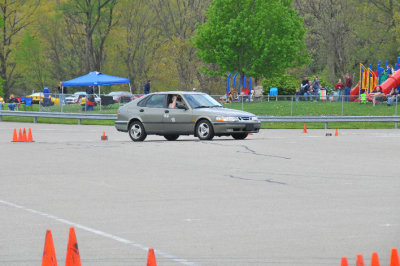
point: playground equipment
(241, 88)
(370, 79)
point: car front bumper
(236, 127)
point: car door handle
(166, 111)
(141, 110)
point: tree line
(44, 42)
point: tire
(204, 130)
(240, 135)
(171, 137)
(136, 131)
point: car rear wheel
(204, 130)
(171, 137)
(137, 131)
(240, 135)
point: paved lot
(280, 197)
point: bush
(286, 84)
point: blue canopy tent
(95, 79)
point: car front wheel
(171, 137)
(240, 135)
(137, 131)
(204, 130)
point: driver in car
(176, 100)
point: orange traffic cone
(375, 259)
(394, 258)
(337, 133)
(49, 254)
(20, 135)
(24, 138)
(344, 262)
(15, 137)
(360, 260)
(305, 129)
(104, 137)
(30, 139)
(151, 258)
(73, 258)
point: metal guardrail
(327, 119)
(78, 116)
(292, 119)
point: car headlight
(226, 119)
(254, 118)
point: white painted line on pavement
(97, 232)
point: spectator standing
(12, 102)
(89, 90)
(347, 88)
(315, 86)
(46, 92)
(298, 94)
(339, 88)
(62, 91)
(308, 91)
(304, 83)
(147, 87)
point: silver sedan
(174, 113)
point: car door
(176, 120)
(152, 113)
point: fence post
(291, 106)
(242, 101)
(342, 104)
(395, 110)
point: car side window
(142, 102)
(156, 101)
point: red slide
(392, 81)
(355, 92)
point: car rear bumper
(121, 126)
(229, 128)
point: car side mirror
(181, 106)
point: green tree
(256, 38)
(30, 62)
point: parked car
(122, 96)
(172, 114)
(78, 96)
(39, 96)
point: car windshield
(201, 101)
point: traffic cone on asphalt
(20, 135)
(30, 139)
(24, 137)
(73, 257)
(375, 259)
(104, 137)
(337, 133)
(305, 129)
(49, 254)
(394, 258)
(15, 137)
(344, 262)
(151, 258)
(360, 260)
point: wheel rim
(136, 131)
(204, 130)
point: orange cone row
(394, 259)
(22, 137)
(73, 258)
(49, 254)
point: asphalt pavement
(280, 197)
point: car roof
(178, 92)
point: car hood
(222, 112)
